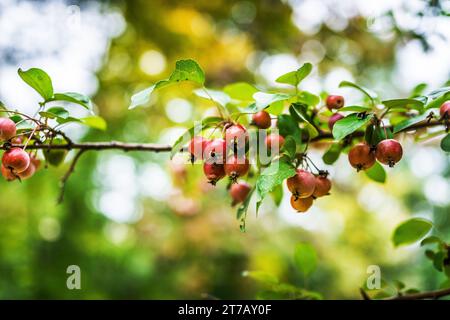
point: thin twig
(68, 173)
(436, 294)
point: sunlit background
(141, 226)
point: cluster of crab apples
(16, 163)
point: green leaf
(277, 194)
(289, 127)
(308, 98)
(295, 77)
(241, 213)
(430, 240)
(349, 124)
(189, 134)
(67, 120)
(241, 91)
(369, 93)
(409, 122)
(438, 261)
(298, 112)
(374, 134)
(290, 147)
(409, 103)
(94, 122)
(264, 100)
(445, 143)
(305, 258)
(73, 97)
(439, 92)
(272, 176)
(355, 109)
(376, 173)
(276, 108)
(214, 95)
(55, 112)
(437, 102)
(418, 90)
(262, 277)
(185, 70)
(411, 231)
(39, 80)
(332, 154)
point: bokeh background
(142, 227)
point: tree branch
(423, 295)
(68, 173)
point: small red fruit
(302, 185)
(444, 110)
(8, 174)
(361, 156)
(333, 119)
(236, 136)
(28, 173)
(274, 140)
(301, 204)
(239, 192)
(335, 102)
(36, 162)
(215, 151)
(323, 187)
(236, 166)
(7, 129)
(262, 119)
(389, 152)
(16, 159)
(213, 172)
(197, 147)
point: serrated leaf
(355, 109)
(409, 122)
(95, 122)
(305, 258)
(295, 77)
(185, 70)
(411, 231)
(297, 111)
(74, 97)
(369, 93)
(349, 124)
(241, 91)
(376, 173)
(39, 80)
(264, 100)
(332, 154)
(189, 134)
(445, 143)
(272, 176)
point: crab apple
(236, 166)
(7, 129)
(36, 162)
(301, 204)
(239, 192)
(444, 110)
(55, 156)
(213, 172)
(333, 119)
(389, 152)
(274, 140)
(197, 146)
(236, 136)
(215, 151)
(16, 159)
(335, 102)
(361, 156)
(262, 119)
(302, 185)
(8, 174)
(323, 187)
(28, 173)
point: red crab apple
(213, 172)
(236, 136)
(302, 184)
(274, 140)
(215, 151)
(8, 174)
(333, 119)
(335, 102)
(197, 146)
(262, 120)
(236, 166)
(239, 192)
(444, 110)
(16, 159)
(389, 152)
(323, 186)
(7, 129)
(301, 204)
(361, 156)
